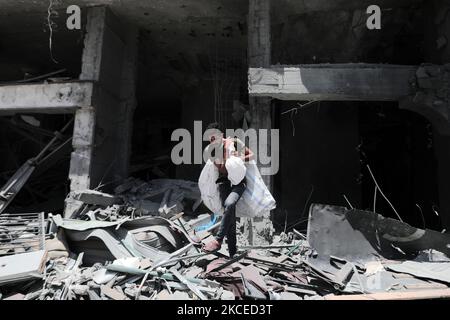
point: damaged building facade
(86, 117)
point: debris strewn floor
(144, 243)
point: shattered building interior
(86, 118)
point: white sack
(256, 200)
(236, 170)
(209, 189)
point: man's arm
(247, 154)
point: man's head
(214, 132)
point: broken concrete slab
(94, 197)
(22, 266)
(45, 98)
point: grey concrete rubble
(22, 266)
(118, 255)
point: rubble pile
(187, 273)
(138, 244)
(137, 198)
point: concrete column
(85, 118)
(259, 55)
(103, 130)
(83, 144)
(128, 99)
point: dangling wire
(293, 112)
(381, 192)
(50, 24)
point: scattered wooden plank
(399, 295)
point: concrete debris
(136, 198)
(123, 256)
(95, 198)
(19, 267)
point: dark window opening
(398, 147)
(23, 137)
(324, 152)
(154, 122)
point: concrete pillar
(259, 55)
(102, 133)
(128, 99)
(83, 144)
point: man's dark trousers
(229, 196)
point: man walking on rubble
(229, 193)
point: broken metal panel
(360, 236)
(22, 232)
(81, 225)
(78, 241)
(122, 240)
